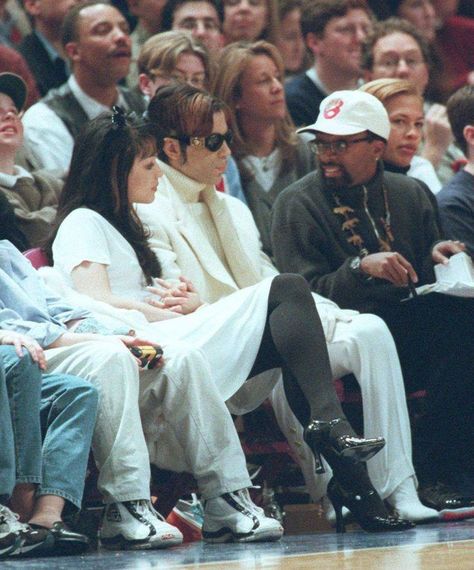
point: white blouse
(85, 235)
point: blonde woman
(269, 155)
(404, 105)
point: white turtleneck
(200, 221)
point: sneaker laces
(243, 496)
(149, 509)
(7, 517)
(194, 505)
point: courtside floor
(436, 546)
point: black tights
(293, 340)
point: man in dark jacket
(456, 199)
(362, 237)
(28, 200)
(42, 49)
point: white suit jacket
(182, 251)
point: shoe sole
(45, 547)
(122, 543)
(69, 547)
(226, 535)
(10, 550)
(456, 514)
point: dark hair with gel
(102, 159)
(179, 110)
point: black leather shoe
(66, 541)
(318, 436)
(441, 497)
(366, 507)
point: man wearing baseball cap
(363, 237)
(27, 200)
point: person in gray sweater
(363, 237)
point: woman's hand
(437, 134)
(19, 340)
(182, 298)
(92, 279)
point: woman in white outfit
(273, 324)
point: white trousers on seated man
(181, 394)
(362, 346)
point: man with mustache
(96, 40)
(363, 237)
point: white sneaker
(19, 538)
(233, 517)
(9, 539)
(135, 525)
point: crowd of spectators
(165, 160)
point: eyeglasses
(392, 63)
(338, 147)
(212, 142)
(196, 79)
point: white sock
(405, 500)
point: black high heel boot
(318, 436)
(366, 507)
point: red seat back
(37, 257)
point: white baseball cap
(349, 113)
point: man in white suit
(211, 239)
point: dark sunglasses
(212, 142)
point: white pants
(195, 431)
(209, 448)
(365, 347)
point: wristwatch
(355, 268)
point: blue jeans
(66, 412)
(20, 430)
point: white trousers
(365, 347)
(204, 440)
(195, 431)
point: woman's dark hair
(103, 156)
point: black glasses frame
(339, 147)
(212, 142)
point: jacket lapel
(243, 269)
